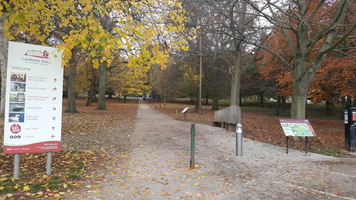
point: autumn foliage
(334, 78)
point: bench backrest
(231, 113)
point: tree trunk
(89, 100)
(298, 103)
(3, 63)
(236, 81)
(302, 76)
(196, 107)
(91, 93)
(262, 98)
(102, 87)
(284, 103)
(279, 101)
(328, 107)
(236, 74)
(215, 103)
(71, 107)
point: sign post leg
(17, 165)
(287, 144)
(49, 163)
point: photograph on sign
(297, 127)
(33, 108)
(17, 87)
(17, 107)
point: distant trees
(181, 77)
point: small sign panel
(297, 127)
(185, 110)
(33, 108)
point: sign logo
(38, 54)
(15, 129)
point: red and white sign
(33, 109)
(15, 128)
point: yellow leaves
(57, 196)
(3, 179)
(185, 48)
(92, 186)
(26, 188)
(108, 61)
(135, 36)
(146, 20)
(179, 5)
(95, 63)
(1, 10)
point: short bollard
(238, 139)
(192, 147)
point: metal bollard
(238, 139)
(192, 147)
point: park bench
(228, 117)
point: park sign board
(297, 127)
(33, 108)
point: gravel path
(157, 167)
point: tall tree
(311, 29)
(231, 24)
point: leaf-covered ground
(89, 141)
(259, 125)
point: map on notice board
(297, 127)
